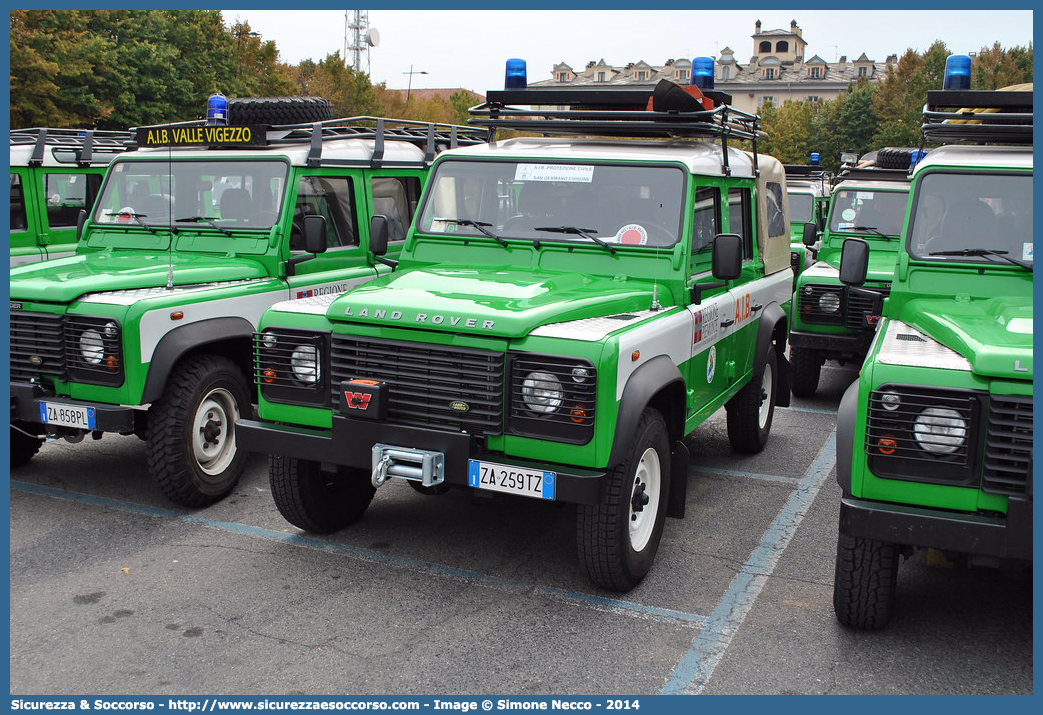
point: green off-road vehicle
(808, 193)
(934, 440)
(55, 174)
(565, 311)
(828, 323)
(147, 329)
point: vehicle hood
(995, 335)
(502, 303)
(65, 279)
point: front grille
(810, 304)
(37, 346)
(1008, 446)
(427, 384)
(859, 306)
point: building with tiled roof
(777, 71)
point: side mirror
(810, 235)
(727, 256)
(315, 233)
(378, 235)
(81, 218)
(854, 262)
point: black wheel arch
(228, 336)
(658, 384)
(773, 328)
(847, 417)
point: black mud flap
(679, 464)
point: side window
(19, 222)
(396, 197)
(777, 224)
(739, 219)
(706, 224)
(332, 197)
(66, 195)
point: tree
(898, 105)
(995, 67)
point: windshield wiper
(984, 252)
(584, 232)
(480, 225)
(205, 219)
(873, 229)
(135, 216)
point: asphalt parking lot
(115, 591)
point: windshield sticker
(554, 172)
(848, 214)
(864, 195)
(1026, 251)
(633, 234)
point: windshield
(623, 205)
(868, 212)
(981, 212)
(230, 194)
(801, 208)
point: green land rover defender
(147, 329)
(829, 323)
(55, 174)
(565, 311)
(934, 440)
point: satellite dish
(373, 37)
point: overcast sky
(468, 48)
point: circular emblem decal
(633, 234)
(711, 363)
(459, 406)
(848, 214)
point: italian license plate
(57, 413)
(511, 480)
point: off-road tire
(203, 397)
(23, 447)
(608, 532)
(865, 582)
(806, 371)
(278, 110)
(751, 410)
(317, 501)
(894, 158)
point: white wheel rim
(648, 481)
(767, 384)
(213, 431)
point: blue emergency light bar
(702, 72)
(957, 72)
(217, 110)
(516, 76)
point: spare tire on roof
(895, 158)
(278, 110)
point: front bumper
(833, 345)
(25, 407)
(350, 443)
(1009, 537)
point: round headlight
(305, 364)
(890, 401)
(268, 340)
(92, 347)
(940, 430)
(829, 302)
(542, 392)
(111, 330)
(580, 375)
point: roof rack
(871, 173)
(430, 136)
(83, 141)
(978, 116)
(617, 112)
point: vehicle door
(65, 191)
(341, 200)
(25, 220)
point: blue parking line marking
(416, 565)
(693, 672)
